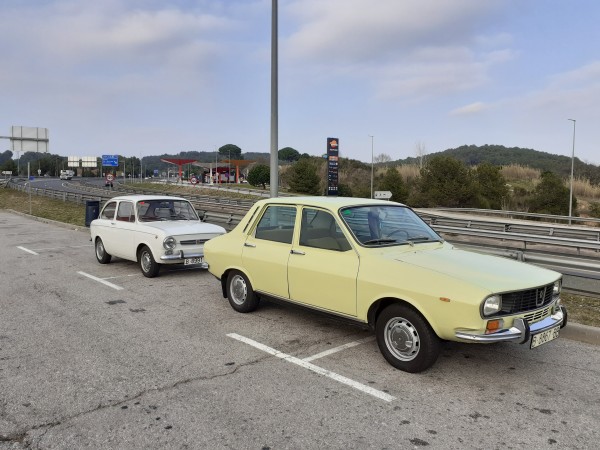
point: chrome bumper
(180, 257)
(520, 332)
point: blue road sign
(110, 160)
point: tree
(392, 181)
(447, 182)
(382, 158)
(231, 151)
(259, 175)
(288, 154)
(551, 196)
(303, 177)
(491, 186)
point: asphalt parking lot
(98, 356)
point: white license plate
(544, 336)
(190, 261)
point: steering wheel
(396, 231)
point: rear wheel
(101, 255)
(405, 339)
(240, 294)
(148, 265)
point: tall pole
(572, 164)
(372, 137)
(274, 174)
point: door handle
(297, 252)
(246, 244)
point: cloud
(409, 50)
(472, 108)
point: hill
(500, 156)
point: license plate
(190, 261)
(544, 337)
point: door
(323, 267)
(267, 250)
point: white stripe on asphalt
(100, 280)
(331, 351)
(327, 373)
(27, 250)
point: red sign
(193, 180)
(110, 177)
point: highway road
(98, 356)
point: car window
(108, 212)
(378, 225)
(319, 229)
(277, 224)
(125, 212)
(165, 209)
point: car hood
(179, 227)
(492, 273)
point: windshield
(387, 225)
(153, 210)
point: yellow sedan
(378, 263)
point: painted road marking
(100, 280)
(327, 373)
(27, 250)
(331, 351)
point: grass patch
(44, 207)
(581, 309)
(174, 189)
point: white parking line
(27, 250)
(327, 373)
(331, 351)
(100, 280)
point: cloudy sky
(147, 77)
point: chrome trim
(181, 256)
(520, 332)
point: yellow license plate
(544, 337)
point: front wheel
(148, 265)
(101, 255)
(240, 294)
(405, 339)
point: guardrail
(570, 250)
(524, 215)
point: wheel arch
(378, 306)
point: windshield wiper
(379, 241)
(412, 241)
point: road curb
(581, 333)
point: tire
(101, 255)
(405, 339)
(148, 265)
(240, 294)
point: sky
(149, 77)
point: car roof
(332, 203)
(138, 198)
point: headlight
(492, 305)
(169, 243)
(557, 288)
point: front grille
(537, 315)
(529, 300)
(193, 242)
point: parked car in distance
(377, 262)
(152, 230)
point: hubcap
(99, 249)
(238, 290)
(402, 339)
(146, 262)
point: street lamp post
(572, 164)
(371, 164)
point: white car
(151, 230)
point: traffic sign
(110, 177)
(110, 160)
(193, 180)
(386, 195)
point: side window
(109, 211)
(277, 224)
(320, 230)
(125, 212)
